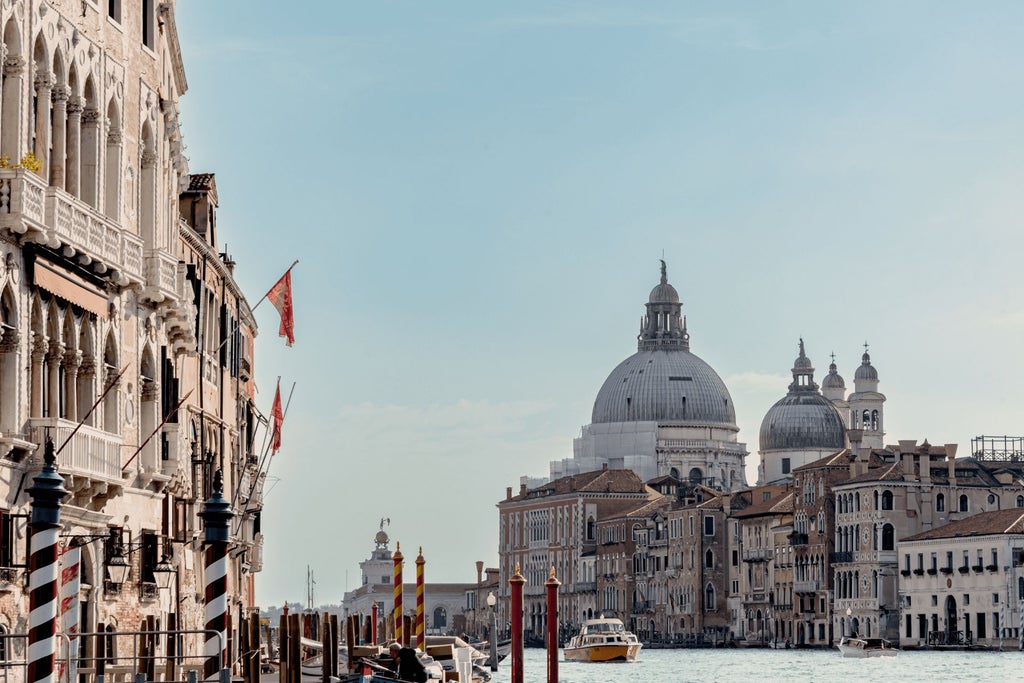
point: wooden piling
(350, 642)
(334, 645)
(283, 649)
(255, 642)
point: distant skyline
(479, 195)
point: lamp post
(164, 573)
(491, 602)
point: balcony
(51, 216)
(91, 461)
(643, 606)
(919, 571)
(964, 569)
(946, 570)
(162, 278)
(585, 587)
(798, 539)
(991, 568)
(812, 586)
(978, 568)
(757, 554)
(840, 557)
(933, 571)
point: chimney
(925, 461)
(508, 493)
(906, 450)
(856, 467)
(522, 489)
(479, 572)
(604, 467)
(951, 461)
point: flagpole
(253, 307)
(158, 428)
(94, 406)
(238, 323)
(259, 469)
(238, 490)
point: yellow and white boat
(603, 640)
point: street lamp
(118, 569)
(491, 602)
(163, 573)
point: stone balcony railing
(92, 455)
(51, 216)
(811, 586)
(757, 554)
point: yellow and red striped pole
(397, 557)
(421, 641)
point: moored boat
(603, 640)
(866, 647)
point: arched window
(940, 503)
(1020, 587)
(112, 169)
(110, 401)
(8, 362)
(696, 476)
(963, 502)
(887, 500)
(13, 73)
(440, 618)
(591, 525)
(865, 419)
(3, 643)
(856, 502)
(709, 559)
(89, 164)
(874, 419)
(888, 540)
(876, 500)
(709, 597)
(1020, 501)
(147, 195)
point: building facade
(121, 319)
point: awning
(70, 287)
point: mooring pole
(216, 516)
(397, 558)
(421, 641)
(516, 584)
(552, 585)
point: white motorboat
(866, 647)
(603, 640)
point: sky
(479, 193)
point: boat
(603, 640)
(851, 646)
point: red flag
(278, 417)
(281, 296)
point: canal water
(755, 665)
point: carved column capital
(87, 368)
(114, 136)
(39, 346)
(44, 80)
(56, 353)
(72, 360)
(75, 105)
(9, 341)
(60, 94)
(90, 116)
(14, 65)
(149, 159)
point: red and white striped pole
(397, 558)
(46, 493)
(216, 515)
(70, 585)
(421, 641)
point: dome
(670, 385)
(802, 420)
(664, 293)
(866, 370)
(833, 380)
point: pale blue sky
(479, 193)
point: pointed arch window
(709, 597)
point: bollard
(397, 558)
(516, 583)
(216, 515)
(421, 643)
(47, 492)
(552, 585)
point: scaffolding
(998, 448)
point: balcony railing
(28, 205)
(585, 587)
(812, 586)
(757, 554)
(845, 556)
(91, 453)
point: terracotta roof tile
(1010, 521)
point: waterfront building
(556, 525)
(966, 585)
(896, 493)
(444, 604)
(479, 614)
(102, 268)
(763, 597)
(662, 411)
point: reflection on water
(679, 666)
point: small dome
(664, 293)
(381, 538)
(802, 362)
(866, 370)
(833, 380)
(804, 420)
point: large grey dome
(669, 385)
(802, 420)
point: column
(86, 381)
(10, 134)
(112, 172)
(74, 158)
(72, 359)
(44, 86)
(53, 359)
(47, 492)
(89, 154)
(39, 345)
(60, 116)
